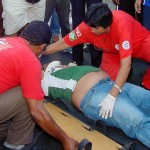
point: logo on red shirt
(4, 45)
(72, 36)
(126, 45)
(117, 46)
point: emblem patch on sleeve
(117, 47)
(126, 45)
(72, 36)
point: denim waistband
(104, 80)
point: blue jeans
(54, 26)
(131, 112)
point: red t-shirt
(19, 67)
(123, 40)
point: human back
(16, 62)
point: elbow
(129, 66)
(39, 115)
(36, 109)
(130, 69)
(126, 64)
(34, 114)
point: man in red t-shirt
(21, 95)
(120, 37)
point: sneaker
(51, 67)
(72, 64)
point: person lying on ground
(21, 95)
(86, 87)
(119, 36)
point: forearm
(116, 2)
(46, 122)
(107, 105)
(57, 46)
(41, 116)
(121, 77)
(120, 80)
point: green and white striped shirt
(61, 84)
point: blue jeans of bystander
(54, 26)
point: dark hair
(37, 33)
(98, 14)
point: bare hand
(116, 2)
(137, 6)
(44, 52)
(70, 144)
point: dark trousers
(128, 6)
(78, 13)
(62, 8)
(146, 17)
(1, 20)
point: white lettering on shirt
(4, 45)
(78, 33)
